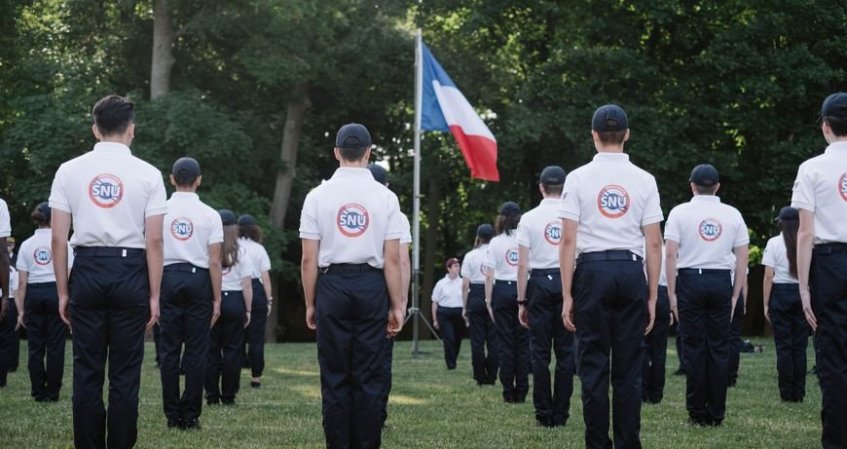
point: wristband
(522, 302)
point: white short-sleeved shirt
(352, 215)
(502, 257)
(821, 188)
(612, 200)
(258, 256)
(406, 238)
(776, 257)
(448, 292)
(473, 265)
(35, 257)
(5, 220)
(190, 226)
(540, 231)
(233, 275)
(706, 231)
(109, 193)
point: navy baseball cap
(227, 217)
(552, 175)
(485, 231)
(185, 170)
(609, 118)
(788, 214)
(510, 209)
(44, 209)
(379, 173)
(705, 175)
(835, 106)
(353, 135)
(247, 220)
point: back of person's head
(484, 234)
(834, 113)
(552, 180)
(705, 178)
(185, 171)
(379, 173)
(508, 218)
(41, 214)
(113, 114)
(353, 141)
(229, 251)
(249, 228)
(611, 124)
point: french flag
(444, 108)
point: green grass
(430, 407)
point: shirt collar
(611, 157)
(42, 230)
(185, 195)
(112, 147)
(352, 172)
(839, 146)
(708, 198)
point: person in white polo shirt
(250, 238)
(6, 325)
(38, 310)
(483, 337)
(820, 193)
(191, 294)
(705, 241)
(116, 203)
(540, 301)
(448, 311)
(610, 210)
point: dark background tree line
(256, 89)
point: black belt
(610, 255)
(699, 271)
(107, 251)
(501, 281)
(41, 285)
(184, 267)
(545, 272)
(348, 268)
(829, 248)
(786, 287)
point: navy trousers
(704, 302)
(735, 343)
(610, 304)
(552, 401)
(791, 337)
(828, 287)
(186, 311)
(351, 311)
(223, 362)
(655, 353)
(452, 326)
(46, 337)
(484, 357)
(109, 308)
(8, 340)
(512, 342)
(254, 336)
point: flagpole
(416, 198)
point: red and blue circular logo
(512, 256)
(353, 220)
(182, 228)
(842, 186)
(43, 256)
(553, 232)
(613, 201)
(106, 190)
(710, 229)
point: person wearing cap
(501, 298)
(191, 294)
(224, 357)
(735, 342)
(350, 228)
(656, 346)
(250, 238)
(783, 308)
(116, 203)
(448, 311)
(7, 319)
(483, 342)
(540, 301)
(38, 306)
(705, 241)
(611, 213)
(10, 332)
(820, 193)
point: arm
(60, 226)
(393, 280)
(567, 262)
(741, 257)
(216, 276)
(309, 278)
(671, 253)
(523, 275)
(4, 276)
(653, 249)
(19, 298)
(767, 286)
(405, 273)
(805, 241)
(247, 292)
(266, 284)
(466, 287)
(489, 288)
(155, 259)
(435, 293)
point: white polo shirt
(540, 231)
(35, 257)
(233, 275)
(109, 193)
(821, 188)
(776, 257)
(706, 231)
(258, 256)
(502, 257)
(406, 238)
(5, 221)
(611, 199)
(473, 265)
(190, 226)
(352, 215)
(448, 292)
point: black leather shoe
(191, 424)
(213, 401)
(174, 422)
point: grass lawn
(430, 407)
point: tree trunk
(163, 53)
(430, 242)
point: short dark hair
(553, 189)
(251, 231)
(838, 125)
(113, 114)
(705, 190)
(506, 224)
(352, 154)
(611, 137)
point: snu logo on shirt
(613, 201)
(710, 229)
(182, 228)
(512, 256)
(42, 256)
(353, 220)
(553, 232)
(842, 186)
(106, 190)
